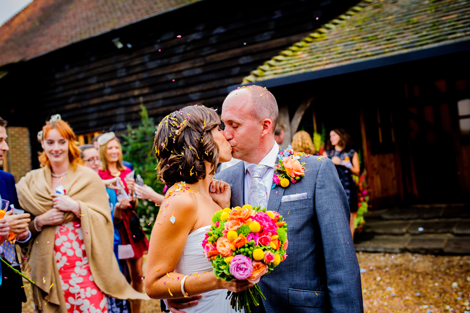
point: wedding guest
(321, 273)
(187, 165)
(70, 255)
(147, 192)
(11, 289)
(132, 235)
(339, 150)
(302, 142)
(91, 158)
(97, 146)
(279, 134)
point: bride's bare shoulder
(179, 203)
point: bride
(188, 144)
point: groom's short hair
(264, 103)
(183, 141)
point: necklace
(117, 174)
(59, 175)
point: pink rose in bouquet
(241, 267)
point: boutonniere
(288, 168)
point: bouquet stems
(244, 299)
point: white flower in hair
(56, 117)
(105, 138)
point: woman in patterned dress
(338, 149)
(71, 253)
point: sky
(8, 8)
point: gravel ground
(398, 283)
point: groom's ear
(267, 127)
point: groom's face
(242, 129)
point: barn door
(431, 143)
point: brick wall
(19, 156)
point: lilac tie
(257, 196)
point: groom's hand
(220, 192)
(175, 305)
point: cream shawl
(85, 186)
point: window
(464, 116)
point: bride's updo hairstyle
(183, 141)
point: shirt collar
(269, 160)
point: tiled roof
(46, 25)
(371, 30)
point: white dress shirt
(270, 161)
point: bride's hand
(236, 285)
(220, 192)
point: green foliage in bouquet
(138, 149)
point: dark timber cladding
(95, 85)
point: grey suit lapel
(275, 196)
(238, 190)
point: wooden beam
(299, 113)
(283, 120)
(366, 156)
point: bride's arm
(166, 246)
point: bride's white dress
(193, 261)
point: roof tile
(370, 30)
(46, 25)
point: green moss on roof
(372, 29)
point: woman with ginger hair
(132, 236)
(302, 142)
(189, 143)
(71, 252)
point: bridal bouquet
(245, 243)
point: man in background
(11, 289)
(279, 134)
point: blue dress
(116, 305)
(345, 175)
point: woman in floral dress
(71, 252)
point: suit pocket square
(299, 196)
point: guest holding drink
(346, 160)
(134, 241)
(13, 228)
(71, 254)
(91, 158)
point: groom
(321, 272)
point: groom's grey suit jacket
(321, 272)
